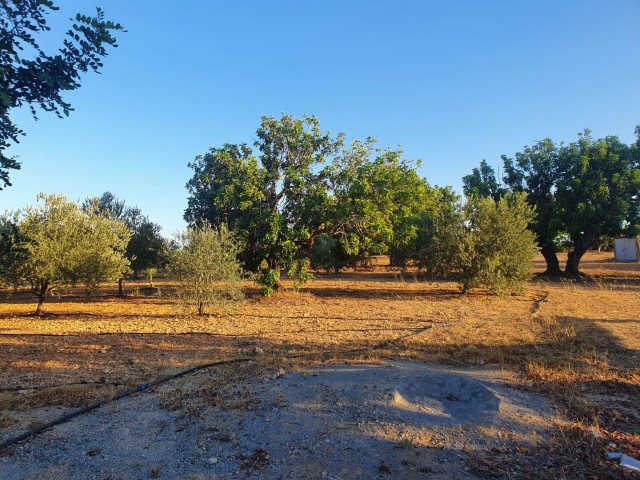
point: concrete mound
(456, 397)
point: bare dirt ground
(562, 361)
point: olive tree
(497, 247)
(483, 243)
(207, 267)
(66, 246)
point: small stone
(281, 372)
(212, 460)
(104, 350)
(258, 351)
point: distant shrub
(269, 280)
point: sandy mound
(340, 422)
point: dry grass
(577, 342)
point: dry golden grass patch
(577, 342)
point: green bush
(299, 269)
(441, 235)
(268, 279)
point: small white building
(626, 249)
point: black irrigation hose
(12, 441)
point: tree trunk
(573, 259)
(41, 293)
(120, 281)
(200, 308)
(553, 265)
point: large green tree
(29, 76)
(274, 199)
(597, 192)
(228, 187)
(288, 205)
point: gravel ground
(405, 420)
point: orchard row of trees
(582, 191)
(306, 200)
(58, 243)
(303, 199)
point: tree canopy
(482, 182)
(535, 171)
(377, 201)
(597, 192)
(274, 200)
(31, 77)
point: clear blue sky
(451, 82)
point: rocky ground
(408, 420)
